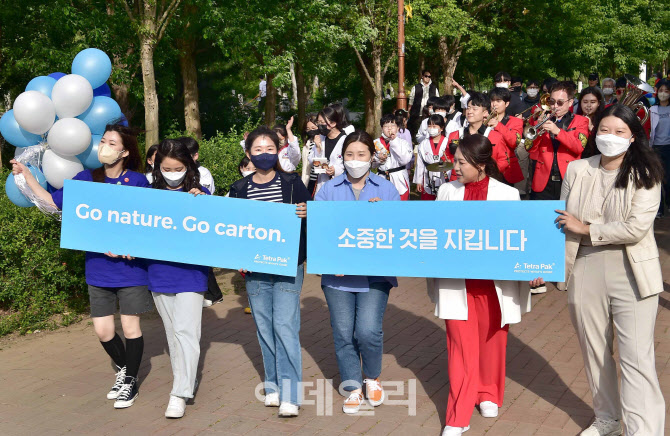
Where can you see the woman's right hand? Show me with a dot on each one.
(537, 282)
(419, 188)
(330, 171)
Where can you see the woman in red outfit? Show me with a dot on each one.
(477, 312)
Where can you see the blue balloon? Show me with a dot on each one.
(94, 65)
(102, 91)
(13, 193)
(14, 134)
(57, 75)
(123, 121)
(89, 158)
(103, 111)
(43, 84)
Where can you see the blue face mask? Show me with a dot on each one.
(264, 161)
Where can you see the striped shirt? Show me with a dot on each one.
(270, 191)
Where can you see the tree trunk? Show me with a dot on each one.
(422, 65)
(189, 77)
(301, 96)
(378, 90)
(270, 101)
(315, 86)
(369, 95)
(121, 95)
(150, 95)
(449, 56)
(294, 86)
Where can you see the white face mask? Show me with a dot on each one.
(357, 168)
(663, 96)
(385, 136)
(502, 85)
(608, 91)
(247, 173)
(532, 93)
(612, 145)
(430, 111)
(444, 114)
(174, 179)
(107, 155)
(433, 131)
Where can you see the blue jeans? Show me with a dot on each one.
(275, 306)
(356, 319)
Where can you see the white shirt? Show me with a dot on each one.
(424, 96)
(399, 156)
(262, 88)
(335, 159)
(206, 179)
(289, 156)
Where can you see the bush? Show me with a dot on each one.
(38, 280)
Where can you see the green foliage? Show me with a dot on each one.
(41, 285)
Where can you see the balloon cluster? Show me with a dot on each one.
(68, 113)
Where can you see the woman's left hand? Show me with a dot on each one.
(196, 192)
(374, 200)
(301, 210)
(568, 222)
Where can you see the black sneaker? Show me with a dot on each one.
(120, 377)
(127, 393)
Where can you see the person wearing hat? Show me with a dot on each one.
(594, 80)
(516, 104)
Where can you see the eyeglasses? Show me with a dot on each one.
(558, 103)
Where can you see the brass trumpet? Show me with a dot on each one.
(532, 132)
(544, 104)
(491, 116)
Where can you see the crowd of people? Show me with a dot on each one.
(545, 144)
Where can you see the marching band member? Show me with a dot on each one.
(431, 150)
(392, 156)
(560, 141)
(511, 130)
(477, 313)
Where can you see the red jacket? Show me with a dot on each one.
(501, 153)
(571, 144)
(511, 133)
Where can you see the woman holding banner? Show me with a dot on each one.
(112, 277)
(477, 312)
(613, 273)
(178, 289)
(356, 303)
(275, 299)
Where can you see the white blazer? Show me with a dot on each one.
(449, 295)
(335, 160)
(399, 156)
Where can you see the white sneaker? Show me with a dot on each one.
(287, 410)
(603, 427)
(539, 290)
(120, 377)
(454, 431)
(353, 403)
(207, 303)
(176, 407)
(488, 409)
(272, 399)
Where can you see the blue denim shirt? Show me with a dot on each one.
(339, 189)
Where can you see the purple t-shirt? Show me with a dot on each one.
(104, 271)
(173, 278)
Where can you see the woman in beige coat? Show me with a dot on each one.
(477, 312)
(613, 273)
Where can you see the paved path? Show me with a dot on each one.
(55, 382)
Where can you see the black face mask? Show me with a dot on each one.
(323, 129)
(516, 89)
(312, 133)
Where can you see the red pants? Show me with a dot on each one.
(429, 197)
(476, 354)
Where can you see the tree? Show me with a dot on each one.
(189, 73)
(150, 19)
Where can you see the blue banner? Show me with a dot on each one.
(176, 226)
(502, 240)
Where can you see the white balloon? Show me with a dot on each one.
(58, 168)
(72, 95)
(69, 137)
(34, 111)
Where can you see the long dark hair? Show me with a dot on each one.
(263, 132)
(640, 162)
(334, 116)
(133, 161)
(599, 95)
(175, 149)
(477, 150)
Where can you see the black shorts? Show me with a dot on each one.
(132, 300)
